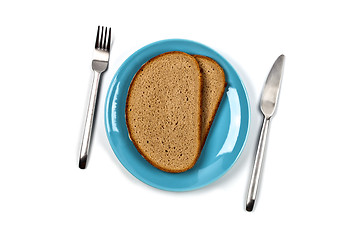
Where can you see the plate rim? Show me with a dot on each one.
(114, 82)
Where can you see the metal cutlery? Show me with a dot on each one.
(99, 65)
(268, 105)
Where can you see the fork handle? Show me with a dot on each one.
(84, 150)
(255, 176)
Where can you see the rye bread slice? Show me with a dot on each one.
(213, 89)
(163, 111)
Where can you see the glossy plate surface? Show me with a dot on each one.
(224, 143)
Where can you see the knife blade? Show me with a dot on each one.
(271, 89)
(268, 103)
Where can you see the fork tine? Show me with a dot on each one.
(109, 40)
(105, 37)
(101, 38)
(97, 38)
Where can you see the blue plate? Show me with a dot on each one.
(224, 143)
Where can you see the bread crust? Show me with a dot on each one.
(207, 129)
(199, 145)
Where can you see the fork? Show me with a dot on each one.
(100, 63)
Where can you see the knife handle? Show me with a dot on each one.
(254, 182)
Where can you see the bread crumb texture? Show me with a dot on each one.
(163, 111)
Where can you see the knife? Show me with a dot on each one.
(268, 105)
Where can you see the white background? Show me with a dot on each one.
(310, 187)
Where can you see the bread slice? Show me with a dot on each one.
(163, 111)
(213, 89)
